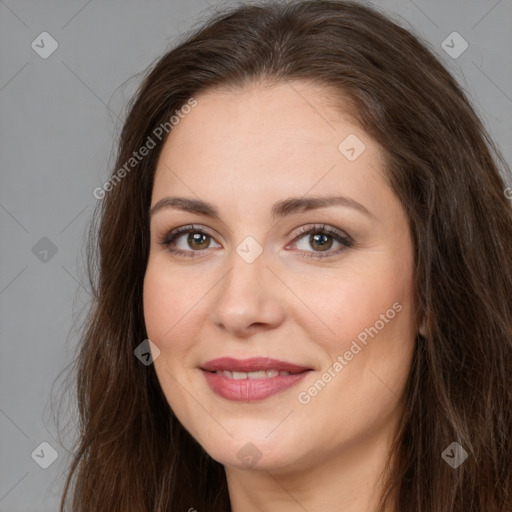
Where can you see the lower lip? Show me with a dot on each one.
(249, 390)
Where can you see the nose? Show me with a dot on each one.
(249, 298)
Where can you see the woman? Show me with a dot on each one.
(305, 264)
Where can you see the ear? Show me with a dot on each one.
(423, 326)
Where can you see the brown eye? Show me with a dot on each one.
(198, 240)
(321, 239)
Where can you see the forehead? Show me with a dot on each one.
(261, 141)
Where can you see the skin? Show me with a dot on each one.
(242, 151)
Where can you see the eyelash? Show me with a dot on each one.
(346, 241)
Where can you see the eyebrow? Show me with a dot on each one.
(279, 209)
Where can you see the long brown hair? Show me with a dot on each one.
(132, 453)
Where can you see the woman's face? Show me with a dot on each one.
(253, 282)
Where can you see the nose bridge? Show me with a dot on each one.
(248, 293)
(244, 281)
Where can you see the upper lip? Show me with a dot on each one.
(253, 364)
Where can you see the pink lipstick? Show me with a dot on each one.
(248, 380)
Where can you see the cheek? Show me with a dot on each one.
(350, 303)
(168, 303)
(375, 350)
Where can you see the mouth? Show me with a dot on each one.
(260, 374)
(253, 368)
(252, 379)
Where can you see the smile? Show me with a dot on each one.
(250, 380)
(261, 374)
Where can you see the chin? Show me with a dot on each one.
(251, 451)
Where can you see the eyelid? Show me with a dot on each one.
(339, 236)
(171, 235)
(321, 227)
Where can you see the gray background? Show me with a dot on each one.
(58, 120)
